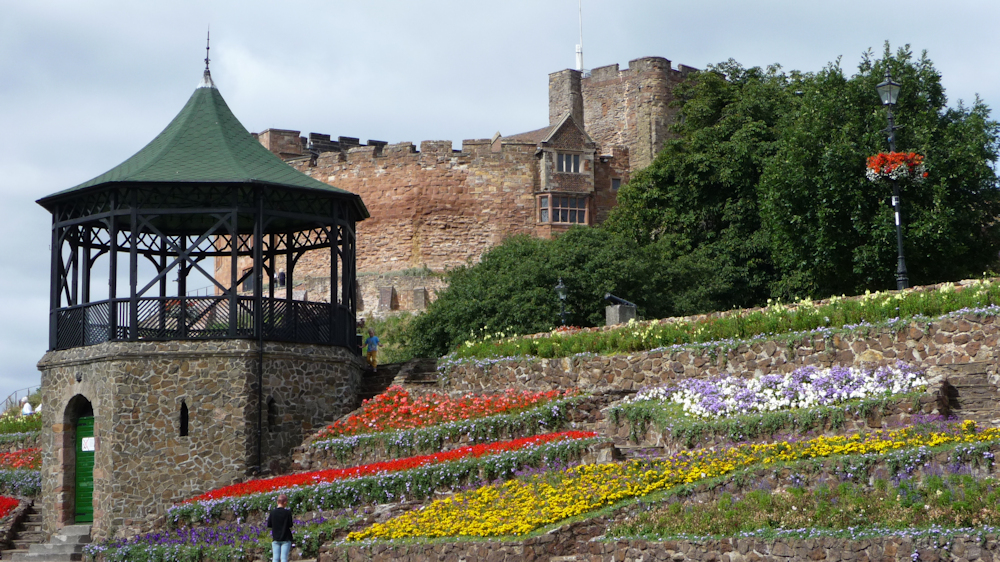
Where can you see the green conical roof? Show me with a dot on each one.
(205, 143)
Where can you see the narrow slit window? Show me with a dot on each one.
(184, 419)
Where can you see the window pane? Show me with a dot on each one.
(565, 215)
(615, 184)
(565, 202)
(572, 202)
(559, 163)
(545, 215)
(572, 216)
(576, 163)
(543, 201)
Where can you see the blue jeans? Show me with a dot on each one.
(280, 550)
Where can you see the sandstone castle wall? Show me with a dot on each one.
(438, 208)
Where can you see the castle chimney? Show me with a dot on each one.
(565, 94)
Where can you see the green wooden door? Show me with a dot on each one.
(85, 470)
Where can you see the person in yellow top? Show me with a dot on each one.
(372, 344)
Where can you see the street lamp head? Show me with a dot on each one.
(561, 290)
(888, 90)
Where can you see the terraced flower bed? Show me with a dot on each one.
(235, 542)
(947, 501)
(736, 408)
(521, 506)
(545, 417)
(414, 478)
(396, 409)
(7, 505)
(870, 309)
(22, 459)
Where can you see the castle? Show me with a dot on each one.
(437, 208)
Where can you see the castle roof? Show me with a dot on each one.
(205, 143)
(545, 134)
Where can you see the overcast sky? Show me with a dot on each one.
(84, 85)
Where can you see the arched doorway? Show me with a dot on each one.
(79, 416)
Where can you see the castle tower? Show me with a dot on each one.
(629, 108)
(162, 381)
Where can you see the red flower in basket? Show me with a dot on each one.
(896, 166)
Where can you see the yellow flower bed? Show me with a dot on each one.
(517, 507)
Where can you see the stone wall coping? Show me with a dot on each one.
(139, 350)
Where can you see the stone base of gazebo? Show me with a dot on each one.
(175, 419)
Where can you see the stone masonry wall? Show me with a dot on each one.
(434, 208)
(142, 463)
(548, 548)
(944, 342)
(630, 108)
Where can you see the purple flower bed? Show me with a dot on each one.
(805, 387)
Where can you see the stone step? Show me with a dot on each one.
(28, 557)
(56, 553)
(24, 540)
(622, 452)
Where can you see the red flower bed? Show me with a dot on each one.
(7, 505)
(396, 409)
(315, 477)
(25, 458)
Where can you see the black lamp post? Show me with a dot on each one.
(889, 92)
(562, 293)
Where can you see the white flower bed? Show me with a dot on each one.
(805, 387)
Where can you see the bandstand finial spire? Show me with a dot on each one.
(206, 79)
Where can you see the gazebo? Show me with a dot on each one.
(203, 189)
(155, 389)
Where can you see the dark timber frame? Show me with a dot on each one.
(175, 228)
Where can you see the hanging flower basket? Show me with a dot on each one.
(896, 166)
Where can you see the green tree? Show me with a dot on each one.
(831, 230)
(511, 291)
(766, 179)
(699, 195)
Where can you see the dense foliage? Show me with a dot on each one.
(511, 291)
(767, 176)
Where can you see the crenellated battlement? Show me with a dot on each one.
(639, 66)
(291, 146)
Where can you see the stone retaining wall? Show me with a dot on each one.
(943, 342)
(28, 442)
(895, 549)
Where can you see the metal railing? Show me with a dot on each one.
(208, 317)
(14, 400)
